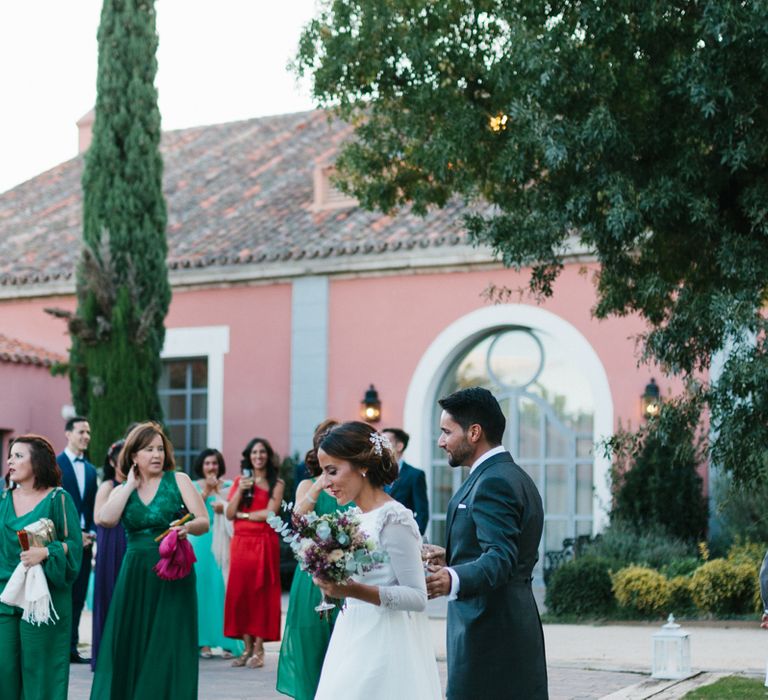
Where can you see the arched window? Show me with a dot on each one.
(549, 406)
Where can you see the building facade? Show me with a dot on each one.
(289, 301)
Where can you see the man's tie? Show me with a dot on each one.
(80, 459)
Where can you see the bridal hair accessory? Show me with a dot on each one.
(380, 442)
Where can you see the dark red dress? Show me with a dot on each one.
(252, 605)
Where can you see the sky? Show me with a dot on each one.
(218, 61)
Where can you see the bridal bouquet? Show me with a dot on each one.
(331, 547)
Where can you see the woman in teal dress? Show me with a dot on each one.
(149, 645)
(35, 658)
(306, 636)
(211, 581)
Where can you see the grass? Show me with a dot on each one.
(731, 688)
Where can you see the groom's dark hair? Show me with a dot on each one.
(476, 405)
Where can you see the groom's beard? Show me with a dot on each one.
(460, 455)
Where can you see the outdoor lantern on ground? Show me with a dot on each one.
(651, 400)
(671, 652)
(370, 407)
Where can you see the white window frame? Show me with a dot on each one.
(434, 363)
(212, 343)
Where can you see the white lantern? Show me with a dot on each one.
(671, 652)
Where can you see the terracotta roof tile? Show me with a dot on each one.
(236, 193)
(12, 350)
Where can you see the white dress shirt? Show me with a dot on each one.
(78, 465)
(454, 593)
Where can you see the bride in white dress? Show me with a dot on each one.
(381, 645)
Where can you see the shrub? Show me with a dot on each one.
(681, 596)
(680, 568)
(622, 544)
(580, 587)
(742, 513)
(724, 587)
(655, 476)
(750, 554)
(747, 553)
(641, 590)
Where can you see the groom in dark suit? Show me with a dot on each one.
(494, 524)
(78, 477)
(410, 487)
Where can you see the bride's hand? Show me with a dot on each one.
(331, 590)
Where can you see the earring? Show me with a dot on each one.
(365, 474)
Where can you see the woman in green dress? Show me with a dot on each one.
(210, 468)
(306, 636)
(35, 658)
(149, 645)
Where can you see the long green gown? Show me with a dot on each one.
(149, 645)
(210, 586)
(306, 636)
(35, 658)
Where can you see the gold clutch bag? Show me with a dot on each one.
(41, 532)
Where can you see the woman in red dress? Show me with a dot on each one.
(252, 605)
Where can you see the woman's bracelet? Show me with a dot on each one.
(310, 499)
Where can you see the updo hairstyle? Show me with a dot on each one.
(310, 459)
(352, 443)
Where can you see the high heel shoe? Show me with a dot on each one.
(256, 660)
(241, 660)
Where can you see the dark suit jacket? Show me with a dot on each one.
(410, 489)
(85, 503)
(495, 641)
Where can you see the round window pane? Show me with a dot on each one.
(515, 358)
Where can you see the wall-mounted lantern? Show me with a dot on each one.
(671, 652)
(651, 400)
(370, 407)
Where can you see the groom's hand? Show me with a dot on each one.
(433, 554)
(438, 583)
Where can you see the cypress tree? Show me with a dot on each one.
(123, 291)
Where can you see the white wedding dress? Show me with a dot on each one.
(385, 651)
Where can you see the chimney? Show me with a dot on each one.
(84, 127)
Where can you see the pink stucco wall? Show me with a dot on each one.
(257, 368)
(31, 403)
(381, 340)
(25, 319)
(379, 328)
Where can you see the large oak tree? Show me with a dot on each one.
(637, 127)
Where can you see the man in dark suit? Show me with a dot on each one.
(410, 487)
(78, 477)
(494, 524)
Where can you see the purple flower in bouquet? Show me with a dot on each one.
(332, 547)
